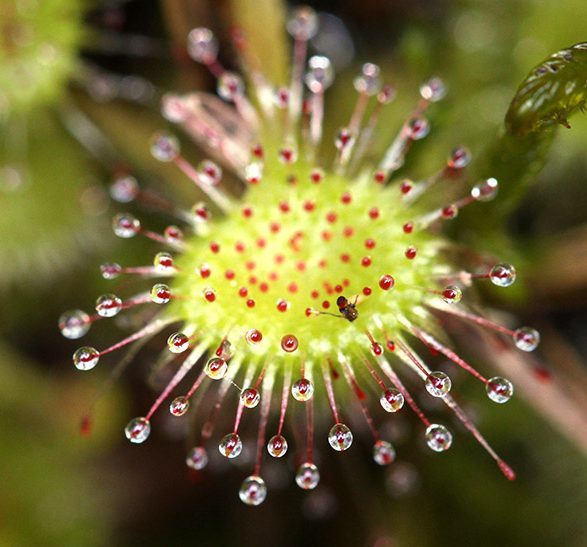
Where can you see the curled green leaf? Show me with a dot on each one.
(552, 92)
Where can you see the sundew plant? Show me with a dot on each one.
(315, 296)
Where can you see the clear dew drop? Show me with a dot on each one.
(230, 86)
(174, 108)
(250, 397)
(499, 390)
(340, 437)
(163, 263)
(209, 173)
(438, 384)
(433, 90)
(86, 358)
(160, 293)
(526, 338)
(137, 431)
(178, 342)
(201, 212)
(503, 275)
(289, 343)
(202, 45)
(74, 324)
(253, 336)
(173, 234)
(126, 225)
(179, 406)
(302, 390)
(459, 158)
(197, 458)
(110, 270)
(486, 190)
(307, 476)
(387, 94)
(277, 446)
(438, 437)
(164, 147)
(383, 453)
(320, 74)
(230, 446)
(108, 305)
(216, 368)
(452, 294)
(418, 128)
(368, 82)
(391, 400)
(124, 189)
(253, 490)
(303, 23)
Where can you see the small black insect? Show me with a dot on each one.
(348, 310)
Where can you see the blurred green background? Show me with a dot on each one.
(80, 84)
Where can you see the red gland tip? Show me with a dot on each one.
(411, 253)
(408, 227)
(380, 177)
(507, 470)
(386, 282)
(373, 213)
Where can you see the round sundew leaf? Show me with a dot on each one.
(552, 91)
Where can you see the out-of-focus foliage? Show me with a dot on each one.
(49, 496)
(51, 204)
(38, 51)
(46, 183)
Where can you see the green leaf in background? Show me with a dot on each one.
(49, 201)
(38, 51)
(553, 91)
(50, 496)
